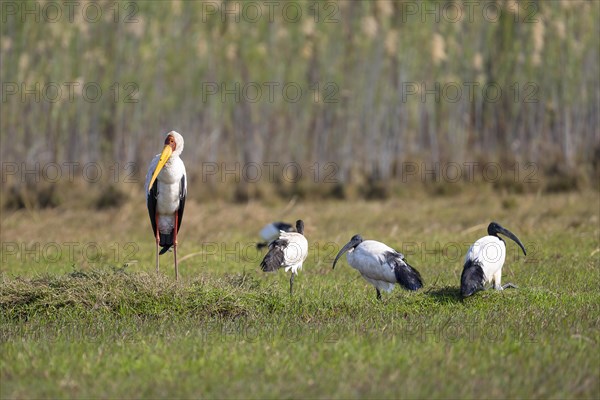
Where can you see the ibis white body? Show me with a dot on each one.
(295, 252)
(490, 253)
(380, 265)
(368, 258)
(289, 252)
(485, 259)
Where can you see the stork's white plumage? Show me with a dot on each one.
(166, 190)
(380, 265)
(289, 251)
(484, 261)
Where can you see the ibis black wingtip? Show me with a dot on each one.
(472, 278)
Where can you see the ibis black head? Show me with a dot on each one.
(495, 228)
(300, 227)
(355, 241)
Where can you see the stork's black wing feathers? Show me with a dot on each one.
(166, 240)
(182, 195)
(274, 258)
(151, 202)
(472, 278)
(408, 277)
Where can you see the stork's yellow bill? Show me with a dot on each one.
(164, 157)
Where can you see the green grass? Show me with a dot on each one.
(108, 326)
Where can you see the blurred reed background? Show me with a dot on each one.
(368, 71)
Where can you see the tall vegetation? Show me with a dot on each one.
(382, 82)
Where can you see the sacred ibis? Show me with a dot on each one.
(166, 189)
(484, 261)
(288, 251)
(380, 265)
(271, 231)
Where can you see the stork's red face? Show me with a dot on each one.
(170, 141)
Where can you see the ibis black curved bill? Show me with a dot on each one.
(355, 241)
(494, 228)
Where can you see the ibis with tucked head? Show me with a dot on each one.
(484, 261)
(166, 189)
(271, 231)
(380, 265)
(289, 251)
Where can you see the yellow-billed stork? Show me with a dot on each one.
(484, 261)
(166, 189)
(271, 231)
(288, 251)
(380, 265)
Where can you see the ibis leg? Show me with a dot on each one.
(292, 284)
(498, 280)
(378, 294)
(157, 241)
(175, 245)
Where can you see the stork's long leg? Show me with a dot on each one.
(292, 284)
(157, 240)
(175, 246)
(378, 294)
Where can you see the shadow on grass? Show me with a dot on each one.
(445, 295)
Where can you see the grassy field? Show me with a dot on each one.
(84, 314)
